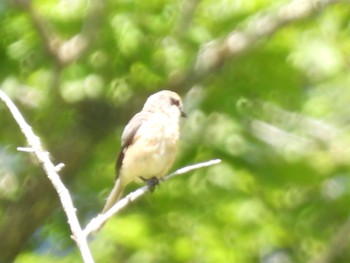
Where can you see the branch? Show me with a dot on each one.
(97, 222)
(215, 53)
(187, 10)
(49, 40)
(73, 48)
(218, 51)
(64, 52)
(50, 169)
(337, 244)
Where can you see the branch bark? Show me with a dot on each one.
(50, 169)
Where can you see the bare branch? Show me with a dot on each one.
(59, 167)
(218, 51)
(97, 222)
(191, 168)
(25, 149)
(50, 169)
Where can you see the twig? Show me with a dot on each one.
(25, 149)
(98, 221)
(50, 169)
(191, 168)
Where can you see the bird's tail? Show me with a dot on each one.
(114, 196)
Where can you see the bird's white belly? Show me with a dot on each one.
(151, 157)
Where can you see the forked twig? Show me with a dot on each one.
(51, 171)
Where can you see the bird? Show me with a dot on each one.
(149, 144)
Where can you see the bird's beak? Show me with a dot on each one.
(183, 114)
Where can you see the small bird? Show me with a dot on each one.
(148, 143)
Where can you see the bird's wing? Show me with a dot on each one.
(128, 136)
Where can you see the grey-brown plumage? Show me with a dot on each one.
(149, 143)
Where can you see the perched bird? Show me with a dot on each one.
(148, 143)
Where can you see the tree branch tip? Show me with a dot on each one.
(59, 167)
(192, 167)
(73, 237)
(25, 149)
(215, 161)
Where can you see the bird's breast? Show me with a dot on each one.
(153, 152)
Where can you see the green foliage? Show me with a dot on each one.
(276, 115)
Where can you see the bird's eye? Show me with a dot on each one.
(174, 101)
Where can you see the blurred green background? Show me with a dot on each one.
(277, 115)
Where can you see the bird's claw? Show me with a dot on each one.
(151, 182)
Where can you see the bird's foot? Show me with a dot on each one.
(151, 182)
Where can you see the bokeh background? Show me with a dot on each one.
(266, 85)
